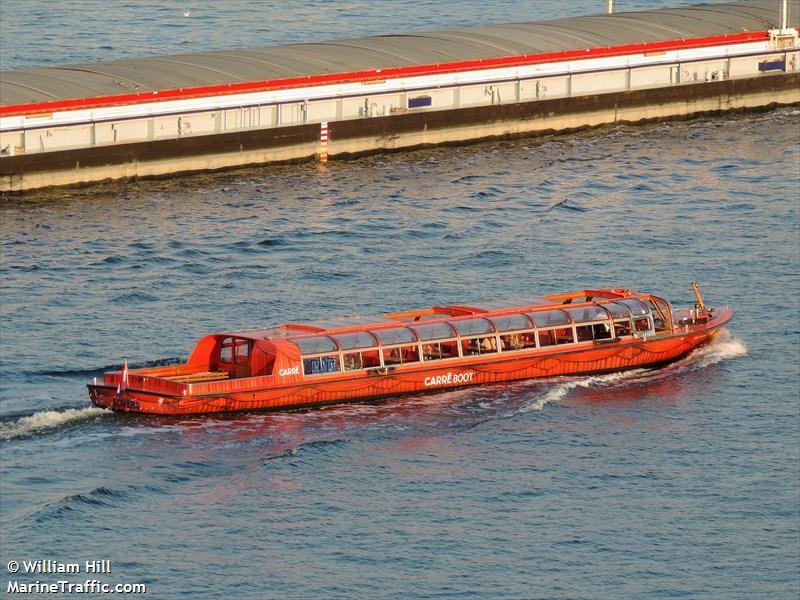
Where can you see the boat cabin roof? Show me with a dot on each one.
(440, 322)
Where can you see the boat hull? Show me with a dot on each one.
(425, 377)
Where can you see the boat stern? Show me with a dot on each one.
(143, 391)
(112, 398)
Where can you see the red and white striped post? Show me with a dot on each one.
(323, 142)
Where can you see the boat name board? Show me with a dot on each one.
(289, 371)
(449, 378)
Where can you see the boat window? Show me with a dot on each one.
(618, 310)
(395, 335)
(565, 335)
(642, 324)
(551, 337)
(321, 364)
(235, 350)
(547, 338)
(597, 331)
(361, 339)
(479, 345)
(473, 326)
(434, 331)
(315, 345)
(352, 361)
(512, 322)
(401, 355)
(371, 358)
(550, 317)
(361, 360)
(622, 327)
(637, 306)
(439, 350)
(517, 341)
(659, 310)
(587, 313)
(226, 351)
(241, 349)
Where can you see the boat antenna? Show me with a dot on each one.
(696, 291)
(784, 15)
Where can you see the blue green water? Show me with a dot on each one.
(678, 483)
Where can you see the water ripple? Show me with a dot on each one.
(673, 482)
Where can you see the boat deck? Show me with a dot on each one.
(203, 377)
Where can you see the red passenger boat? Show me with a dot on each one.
(298, 366)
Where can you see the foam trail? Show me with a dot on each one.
(47, 419)
(724, 347)
(562, 389)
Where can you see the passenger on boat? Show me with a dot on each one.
(352, 362)
(479, 346)
(392, 357)
(517, 341)
(471, 347)
(410, 354)
(438, 350)
(506, 343)
(622, 327)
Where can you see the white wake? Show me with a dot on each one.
(559, 391)
(726, 346)
(47, 419)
